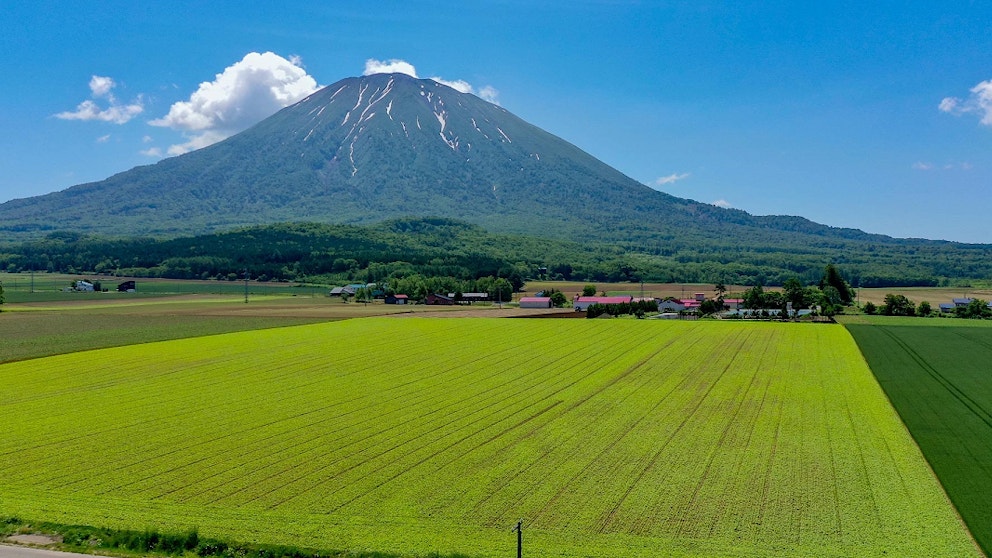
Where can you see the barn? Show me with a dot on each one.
(535, 302)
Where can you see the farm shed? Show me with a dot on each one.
(582, 303)
(961, 302)
(670, 306)
(439, 300)
(127, 287)
(470, 297)
(341, 291)
(397, 299)
(535, 302)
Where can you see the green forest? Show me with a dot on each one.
(446, 248)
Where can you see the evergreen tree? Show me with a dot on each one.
(832, 278)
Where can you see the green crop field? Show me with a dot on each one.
(938, 375)
(412, 435)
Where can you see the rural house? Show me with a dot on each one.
(397, 299)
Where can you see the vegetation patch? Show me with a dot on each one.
(936, 373)
(413, 436)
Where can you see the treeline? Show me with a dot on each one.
(462, 252)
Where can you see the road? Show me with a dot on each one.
(10, 551)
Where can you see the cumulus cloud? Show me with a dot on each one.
(979, 102)
(152, 152)
(103, 139)
(671, 179)
(115, 112)
(243, 94)
(393, 66)
(722, 203)
(396, 66)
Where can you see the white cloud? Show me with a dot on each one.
(243, 94)
(722, 203)
(147, 139)
(103, 139)
(100, 87)
(980, 102)
(196, 141)
(152, 152)
(671, 179)
(928, 166)
(459, 85)
(393, 66)
(948, 104)
(486, 93)
(490, 94)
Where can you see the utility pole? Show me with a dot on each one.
(520, 538)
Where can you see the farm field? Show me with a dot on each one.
(621, 437)
(937, 375)
(82, 321)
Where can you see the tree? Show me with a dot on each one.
(502, 290)
(869, 308)
(976, 309)
(898, 305)
(709, 306)
(832, 278)
(754, 297)
(924, 309)
(795, 293)
(589, 290)
(720, 290)
(558, 299)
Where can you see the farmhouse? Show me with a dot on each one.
(397, 299)
(946, 307)
(961, 302)
(582, 303)
(84, 286)
(342, 291)
(535, 302)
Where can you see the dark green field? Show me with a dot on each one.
(938, 375)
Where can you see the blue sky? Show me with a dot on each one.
(872, 115)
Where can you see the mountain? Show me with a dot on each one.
(377, 147)
(387, 146)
